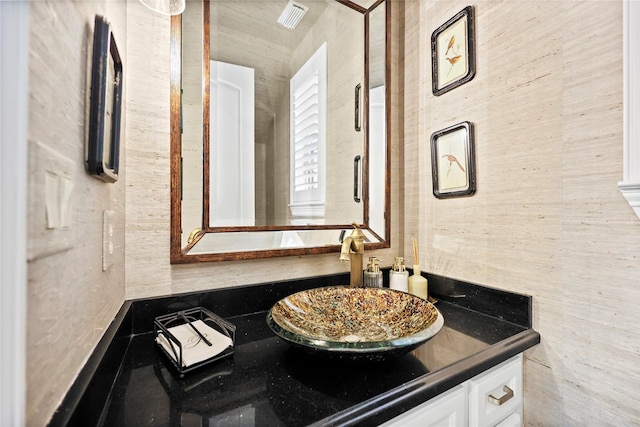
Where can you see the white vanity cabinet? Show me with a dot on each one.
(492, 398)
(449, 409)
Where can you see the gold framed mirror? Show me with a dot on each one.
(290, 207)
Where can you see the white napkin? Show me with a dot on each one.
(194, 349)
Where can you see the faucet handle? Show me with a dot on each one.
(356, 233)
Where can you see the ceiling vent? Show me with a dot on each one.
(292, 14)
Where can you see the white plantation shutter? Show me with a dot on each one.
(305, 135)
(308, 134)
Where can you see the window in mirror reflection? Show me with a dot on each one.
(308, 108)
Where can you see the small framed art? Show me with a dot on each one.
(453, 52)
(453, 161)
(103, 140)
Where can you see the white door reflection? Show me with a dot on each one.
(232, 157)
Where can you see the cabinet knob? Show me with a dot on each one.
(508, 394)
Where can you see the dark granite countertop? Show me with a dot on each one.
(266, 382)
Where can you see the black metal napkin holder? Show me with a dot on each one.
(161, 326)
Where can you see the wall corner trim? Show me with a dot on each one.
(630, 185)
(631, 191)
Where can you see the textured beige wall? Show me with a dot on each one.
(71, 300)
(547, 219)
(345, 60)
(147, 209)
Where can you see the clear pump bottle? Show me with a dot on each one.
(373, 275)
(399, 276)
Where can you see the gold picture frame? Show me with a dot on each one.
(453, 161)
(453, 52)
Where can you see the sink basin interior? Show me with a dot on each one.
(355, 320)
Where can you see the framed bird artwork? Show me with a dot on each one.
(453, 161)
(453, 52)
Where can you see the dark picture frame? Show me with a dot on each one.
(453, 52)
(453, 161)
(103, 140)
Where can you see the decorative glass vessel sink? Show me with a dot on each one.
(373, 323)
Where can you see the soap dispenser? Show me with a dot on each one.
(418, 285)
(399, 276)
(373, 275)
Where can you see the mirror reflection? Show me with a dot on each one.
(283, 140)
(288, 132)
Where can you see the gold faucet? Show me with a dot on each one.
(353, 251)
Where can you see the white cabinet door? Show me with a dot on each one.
(446, 410)
(496, 394)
